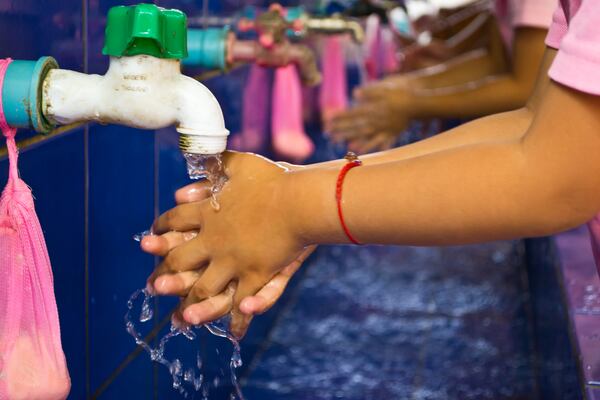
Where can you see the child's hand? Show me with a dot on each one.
(380, 90)
(215, 307)
(230, 245)
(369, 126)
(180, 284)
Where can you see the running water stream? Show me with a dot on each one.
(210, 167)
(187, 378)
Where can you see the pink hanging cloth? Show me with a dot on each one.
(372, 47)
(255, 112)
(333, 97)
(32, 362)
(389, 50)
(290, 141)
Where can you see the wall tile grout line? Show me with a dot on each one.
(86, 223)
(156, 259)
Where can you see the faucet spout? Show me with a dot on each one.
(336, 24)
(139, 91)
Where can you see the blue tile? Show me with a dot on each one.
(134, 382)
(55, 172)
(121, 204)
(43, 28)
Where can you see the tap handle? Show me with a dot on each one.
(146, 29)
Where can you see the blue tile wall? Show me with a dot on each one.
(121, 203)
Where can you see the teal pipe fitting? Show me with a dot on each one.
(22, 93)
(207, 48)
(294, 13)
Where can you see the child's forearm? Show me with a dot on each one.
(504, 126)
(465, 68)
(495, 94)
(506, 189)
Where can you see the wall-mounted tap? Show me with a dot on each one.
(219, 47)
(273, 47)
(142, 88)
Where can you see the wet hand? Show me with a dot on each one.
(229, 246)
(180, 284)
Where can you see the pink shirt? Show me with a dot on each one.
(514, 13)
(575, 32)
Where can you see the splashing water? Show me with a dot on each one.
(139, 236)
(185, 378)
(207, 166)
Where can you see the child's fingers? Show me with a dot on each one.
(272, 291)
(213, 281)
(188, 257)
(197, 191)
(176, 284)
(211, 308)
(161, 245)
(346, 118)
(265, 298)
(374, 143)
(360, 130)
(239, 320)
(183, 218)
(369, 93)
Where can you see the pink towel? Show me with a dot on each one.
(289, 138)
(389, 50)
(255, 112)
(334, 89)
(372, 47)
(32, 363)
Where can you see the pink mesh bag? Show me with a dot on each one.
(32, 362)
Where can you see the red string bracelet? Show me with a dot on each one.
(353, 162)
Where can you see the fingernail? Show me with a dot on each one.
(161, 284)
(246, 306)
(191, 317)
(193, 193)
(150, 289)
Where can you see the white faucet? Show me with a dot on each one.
(139, 91)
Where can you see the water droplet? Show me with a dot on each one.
(139, 236)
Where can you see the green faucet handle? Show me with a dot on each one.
(146, 29)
